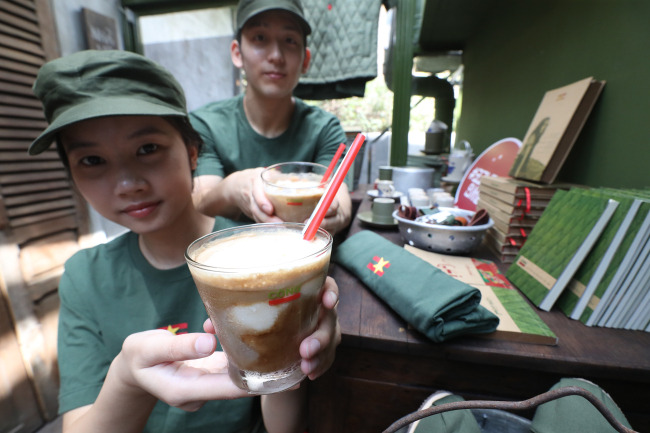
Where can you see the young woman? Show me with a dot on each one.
(132, 352)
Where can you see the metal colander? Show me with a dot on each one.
(441, 238)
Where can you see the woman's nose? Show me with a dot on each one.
(129, 181)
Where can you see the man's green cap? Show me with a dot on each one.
(90, 84)
(247, 9)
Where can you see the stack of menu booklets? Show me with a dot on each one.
(589, 256)
(518, 320)
(515, 206)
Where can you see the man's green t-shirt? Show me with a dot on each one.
(109, 292)
(232, 145)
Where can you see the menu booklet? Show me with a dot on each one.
(559, 243)
(554, 129)
(518, 320)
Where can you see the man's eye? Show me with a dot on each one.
(91, 160)
(147, 148)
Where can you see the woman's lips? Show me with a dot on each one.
(140, 210)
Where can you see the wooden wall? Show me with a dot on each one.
(41, 223)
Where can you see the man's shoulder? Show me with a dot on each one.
(221, 107)
(313, 112)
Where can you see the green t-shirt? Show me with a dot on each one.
(109, 292)
(231, 144)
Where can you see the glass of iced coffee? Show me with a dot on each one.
(294, 188)
(262, 286)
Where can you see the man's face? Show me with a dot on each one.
(272, 53)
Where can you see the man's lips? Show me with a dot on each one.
(140, 210)
(274, 75)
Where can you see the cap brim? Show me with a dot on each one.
(101, 107)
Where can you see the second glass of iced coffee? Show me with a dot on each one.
(294, 188)
(262, 286)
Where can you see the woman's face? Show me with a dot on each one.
(133, 170)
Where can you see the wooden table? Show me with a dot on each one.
(384, 370)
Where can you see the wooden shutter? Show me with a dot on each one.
(41, 217)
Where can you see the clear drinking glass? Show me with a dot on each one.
(262, 286)
(294, 188)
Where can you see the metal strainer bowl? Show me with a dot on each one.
(441, 238)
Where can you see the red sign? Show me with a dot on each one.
(496, 160)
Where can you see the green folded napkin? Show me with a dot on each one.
(433, 302)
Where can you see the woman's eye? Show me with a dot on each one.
(147, 148)
(91, 160)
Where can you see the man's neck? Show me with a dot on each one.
(268, 117)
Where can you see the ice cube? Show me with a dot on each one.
(256, 317)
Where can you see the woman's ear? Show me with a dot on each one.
(235, 54)
(193, 153)
(306, 61)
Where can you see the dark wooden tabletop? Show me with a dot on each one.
(383, 369)
(611, 356)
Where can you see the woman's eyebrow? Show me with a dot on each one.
(74, 145)
(147, 130)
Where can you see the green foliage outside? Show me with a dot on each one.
(374, 112)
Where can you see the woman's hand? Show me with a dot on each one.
(184, 371)
(319, 349)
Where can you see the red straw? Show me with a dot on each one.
(326, 200)
(330, 169)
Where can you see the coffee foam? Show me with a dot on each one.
(300, 183)
(250, 261)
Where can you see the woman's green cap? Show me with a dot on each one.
(90, 84)
(249, 8)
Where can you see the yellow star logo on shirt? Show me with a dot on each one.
(172, 329)
(177, 328)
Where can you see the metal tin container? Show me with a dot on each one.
(441, 238)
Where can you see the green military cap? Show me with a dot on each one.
(90, 84)
(249, 8)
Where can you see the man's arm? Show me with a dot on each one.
(340, 212)
(237, 193)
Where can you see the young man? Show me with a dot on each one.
(266, 124)
(121, 128)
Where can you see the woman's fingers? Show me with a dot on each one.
(157, 346)
(182, 370)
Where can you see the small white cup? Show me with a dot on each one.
(385, 188)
